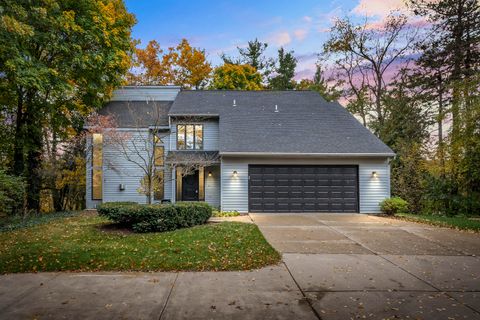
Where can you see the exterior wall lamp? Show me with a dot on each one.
(374, 174)
(235, 173)
(209, 173)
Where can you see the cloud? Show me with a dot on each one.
(280, 38)
(378, 8)
(300, 34)
(307, 19)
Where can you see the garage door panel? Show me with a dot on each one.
(283, 188)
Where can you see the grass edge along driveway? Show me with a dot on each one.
(83, 243)
(455, 222)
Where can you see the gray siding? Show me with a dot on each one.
(372, 190)
(149, 93)
(212, 186)
(210, 135)
(118, 170)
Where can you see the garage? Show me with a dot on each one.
(309, 188)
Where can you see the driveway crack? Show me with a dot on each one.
(303, 293)
(168, 297)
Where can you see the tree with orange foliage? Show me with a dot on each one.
(182, 65)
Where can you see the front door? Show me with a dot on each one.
(190, 187)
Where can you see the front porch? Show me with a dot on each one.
(196, 176)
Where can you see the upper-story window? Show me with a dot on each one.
(189, 137)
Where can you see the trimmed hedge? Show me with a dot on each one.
(393, 206)
(156, 217)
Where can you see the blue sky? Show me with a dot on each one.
(221, 26)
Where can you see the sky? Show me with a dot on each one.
(220, 26)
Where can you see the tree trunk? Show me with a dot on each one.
(441, 151)
(18, 156)
(34, 156)
(149, 189)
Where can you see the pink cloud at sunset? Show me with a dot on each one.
(379, 8)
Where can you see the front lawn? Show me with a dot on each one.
(86, 243)
(456, 222)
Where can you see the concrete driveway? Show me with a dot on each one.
(334, 267)
(358, 266)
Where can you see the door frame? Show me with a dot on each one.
(179, 184)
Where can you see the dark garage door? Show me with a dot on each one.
(285, 188)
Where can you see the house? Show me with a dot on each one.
(254, 151)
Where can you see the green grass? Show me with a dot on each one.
(84, 243)
(456, 222)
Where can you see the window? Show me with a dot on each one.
(189, 137)
(180, 137)
(158, 170)
(199, 137)
(158, 184)
(159, 155)
(97, 161)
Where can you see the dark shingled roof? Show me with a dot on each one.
(138, 114)
(304, 123)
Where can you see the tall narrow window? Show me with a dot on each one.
(190, 137)
(158, 184)
(159, 155)
(198, 137)
(97, 161)
(180, 137)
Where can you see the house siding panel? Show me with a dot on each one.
(146, 93)
(212, 186)
(371, 190)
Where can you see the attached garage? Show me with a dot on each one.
(303, 188)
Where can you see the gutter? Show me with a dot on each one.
(326, 155)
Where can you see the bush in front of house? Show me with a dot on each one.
(12, 194)
(393, 206)
(156, 217)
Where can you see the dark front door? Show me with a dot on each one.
(190, 187)
(319, 188)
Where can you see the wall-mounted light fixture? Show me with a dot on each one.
(235, 173)
(374, 174)
(209, 173)
(121, 187)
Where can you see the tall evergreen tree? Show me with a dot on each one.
(284, 71)
(319, 84)
(449, 68)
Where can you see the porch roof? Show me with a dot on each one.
(193, 157)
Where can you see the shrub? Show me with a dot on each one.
(394, 205)
(12, 194)
(156, 217)
(219, 213)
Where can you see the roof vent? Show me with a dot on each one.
(276, 108)
(234, 103)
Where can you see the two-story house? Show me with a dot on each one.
(255, 151)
